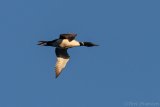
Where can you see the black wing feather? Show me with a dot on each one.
(70, 37)
(62, 53)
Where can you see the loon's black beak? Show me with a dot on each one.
(95, 44)
(90, 44)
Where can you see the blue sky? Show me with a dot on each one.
(123, 70)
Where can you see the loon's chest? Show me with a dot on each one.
(65, 43)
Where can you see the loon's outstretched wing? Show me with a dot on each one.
(62, 59)
(69, 36)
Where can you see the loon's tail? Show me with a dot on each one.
(43, 43)
(47, 43)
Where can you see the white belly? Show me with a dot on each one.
(68, 44)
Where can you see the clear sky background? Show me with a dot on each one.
(124, 69)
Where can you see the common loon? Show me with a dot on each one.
(64, 42)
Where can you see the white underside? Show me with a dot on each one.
(60, 65)
(68, 44)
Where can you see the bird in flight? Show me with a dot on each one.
(61, 45)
